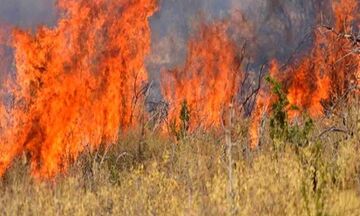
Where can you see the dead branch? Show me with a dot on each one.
(124, 154)
(341, 100)
(255, 91)
(354, 39)
(333, 129)
(296, 50)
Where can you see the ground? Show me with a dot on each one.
(192, 175)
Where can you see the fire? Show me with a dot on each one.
(322, 77)
(210, 79)
(79, 83)
(76, 84)
(262, 108)
(330, 70)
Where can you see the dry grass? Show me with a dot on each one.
(190, 177)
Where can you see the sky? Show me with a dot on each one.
(276, 22)
(278, 25)
(28, 13)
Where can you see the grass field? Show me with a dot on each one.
(84, 79)
(155, 174)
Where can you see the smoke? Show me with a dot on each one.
(271, 29)
(174, 23)
(28, 13)
(24, 14)
(171, 29)
(275, 28)
(78, 82)
(278, 25)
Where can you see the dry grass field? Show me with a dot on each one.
(155, 174)
(216, 140)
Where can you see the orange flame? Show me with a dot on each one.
(262, 108)
(76, 84)
(208, 81)
(323, 76)
(330, 69)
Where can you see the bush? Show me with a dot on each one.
(281, 129)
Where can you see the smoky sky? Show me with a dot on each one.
(28, 13)
(278, 26)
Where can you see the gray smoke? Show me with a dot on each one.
(278, 25)
(28, 13)
(278, 28)
(25, 14)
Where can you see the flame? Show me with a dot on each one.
(348, 11)
(208, 81)
(261, 109)
(76, 84)
(323, 76)
(330, 70)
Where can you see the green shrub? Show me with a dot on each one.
(181, 131)
(281, 129)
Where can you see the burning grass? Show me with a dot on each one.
(77, 84)
(73, 117)
(191, 177)
(209, 80)
(315, 83)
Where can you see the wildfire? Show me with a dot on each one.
(208, 81)
(76, 84)
(324, 76)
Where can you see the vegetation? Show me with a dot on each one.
(280, 127)
(189, 175)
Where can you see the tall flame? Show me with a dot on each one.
(323, 76)
(208, 81)
(330, 70)
(76, 84)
